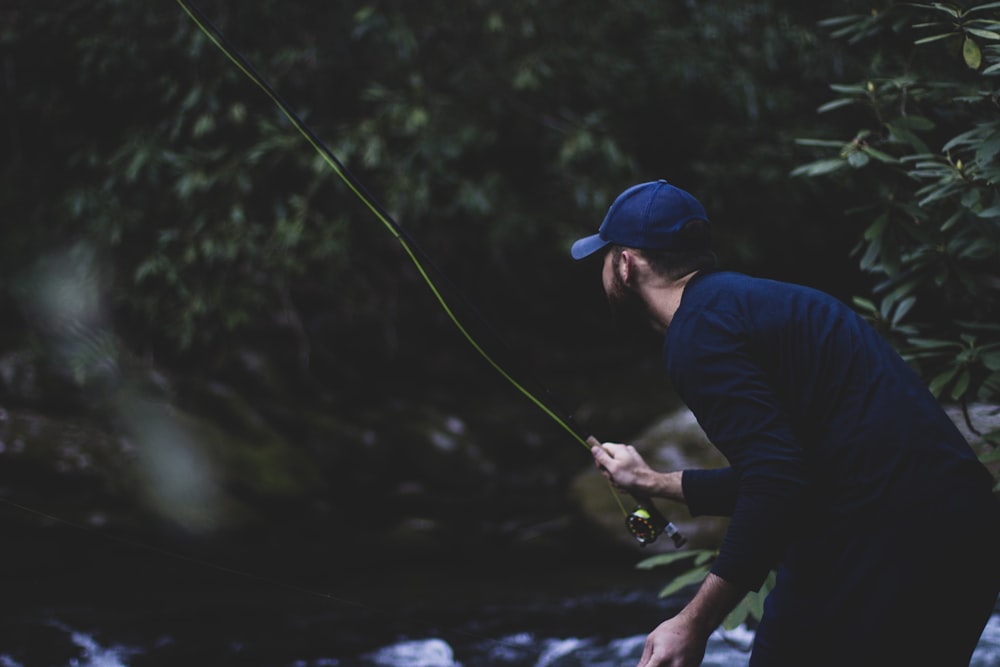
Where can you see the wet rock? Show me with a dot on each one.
(137, 457)
(976, 421)
(19, 376)
(52, 457)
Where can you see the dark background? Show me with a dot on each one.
(211, 347)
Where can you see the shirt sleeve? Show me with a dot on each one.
(723, 382)
(710, 492)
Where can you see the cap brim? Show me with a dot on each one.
(587, 246)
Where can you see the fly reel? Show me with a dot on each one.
(646, 523)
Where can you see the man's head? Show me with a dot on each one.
(653, 235)
(647, 216)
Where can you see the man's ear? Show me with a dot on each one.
(626, 266)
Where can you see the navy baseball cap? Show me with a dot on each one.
(647, 216)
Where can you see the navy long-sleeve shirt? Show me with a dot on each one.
(823, 424)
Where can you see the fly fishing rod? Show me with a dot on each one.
(645, 523)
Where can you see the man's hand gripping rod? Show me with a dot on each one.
(646, 522)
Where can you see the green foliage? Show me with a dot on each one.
(921, 165)
(493, 131)
(750, 608)
(158, 162)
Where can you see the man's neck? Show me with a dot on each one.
(664, 299)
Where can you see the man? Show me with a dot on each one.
(845, 474)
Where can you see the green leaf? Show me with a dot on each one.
(961, 385)
(822, 143)
(903, 290)
(981, 8)
(885, 308)
(757, 598)
(841, 20)
(865, 304)
(891, 254)
(943, 8)
(918, 123)
(739, 613)
(836, 104)
(704, 556)
(849, 88)
(879, 155)
(938, 383)
(985, 34)
(905, 136)
(991, 360)
(690, 577)
(820, 167)
(979, 249)
(990, 213)
(204, 125)
(971, 53)
(765, 590)
(990, 457)
(969, 137)
(857, 159)
(877, 227)
(988, 148)
(904, 307)
(935, 38)
(665, 559)
(869, 261)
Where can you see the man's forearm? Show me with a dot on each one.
(627, 470)
(667, 485)
(710, 605)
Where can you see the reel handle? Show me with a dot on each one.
(645, 523)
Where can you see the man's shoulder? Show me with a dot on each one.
(737, 301)
(730, 285)
(739, 285)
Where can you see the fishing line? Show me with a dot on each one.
(419, 258)
(645, 523)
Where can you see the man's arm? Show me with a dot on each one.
(627, 470)
(709, 492)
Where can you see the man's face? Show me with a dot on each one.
(627, 307)
(612, 280)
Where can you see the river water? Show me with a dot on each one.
(99, 648)
(143, 612)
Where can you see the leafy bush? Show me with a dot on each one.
(918, 154)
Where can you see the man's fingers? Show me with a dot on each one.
(609, 456)
(601, 454)
(601, 459)
(647, 654)
(612, 449)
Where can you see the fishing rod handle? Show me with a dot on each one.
(645, 523)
